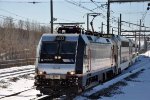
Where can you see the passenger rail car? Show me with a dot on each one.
(133, 51)
(78, 61)
(124, 52)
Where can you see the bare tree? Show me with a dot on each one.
(19, 40)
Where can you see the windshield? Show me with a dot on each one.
(58, 52)
(68, 48)
(49, 48)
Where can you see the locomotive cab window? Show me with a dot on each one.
(49, 48)
(58, 52)
(68, 47)
(68, 50)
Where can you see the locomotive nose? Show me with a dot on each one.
(49, 70)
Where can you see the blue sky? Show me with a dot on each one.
(66, 12)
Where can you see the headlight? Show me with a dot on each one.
(40, 73)
(55, 57)
(72, 73)
(59, 57)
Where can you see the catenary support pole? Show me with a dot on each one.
(108, 16)
(51, 10)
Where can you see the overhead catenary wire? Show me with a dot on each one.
(7, 1)
(134, 24)
(83, 7)
(15, 19)
(112, 26)
(75, 3)
(101, 6)
(144, 15)
(10, 12)
(112, 19)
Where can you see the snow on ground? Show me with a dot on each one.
(17, 84)
(16, 68)
(125, 89)
(28, 95)
(136, 88)
(131, 88)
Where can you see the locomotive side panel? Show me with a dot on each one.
(99, 63)
(101, 56)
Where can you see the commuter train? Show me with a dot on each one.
(79, 61)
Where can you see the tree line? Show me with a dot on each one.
(19, 36)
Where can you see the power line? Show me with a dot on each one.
(101, 7)
(4, 17)
(65, 19)
(13, 13)
(127, 1)
(113, 27)
(83, 7)
(134, 24)
(113, 19)
(14, 19)
(31, 19)
(79, 5)
(144, 15)
(34, 2)
(90, 2)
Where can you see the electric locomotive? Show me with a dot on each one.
(77, 61)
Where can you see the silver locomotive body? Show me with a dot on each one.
(56, 61)
(71, 60)
(78, 62)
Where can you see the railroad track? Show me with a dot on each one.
(49, 97)
(5, 75)
(43, 97)
(14, 70)
(15, 94)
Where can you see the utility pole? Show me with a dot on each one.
(120, 23)
(87, 22)
(51, 14)
(140, 35)
(102, 28)
(135, 43)
(112, 31)
(120, 1)
(118, 27)
(108, 16)
(145, 42)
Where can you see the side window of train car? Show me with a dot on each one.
(125, 44)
